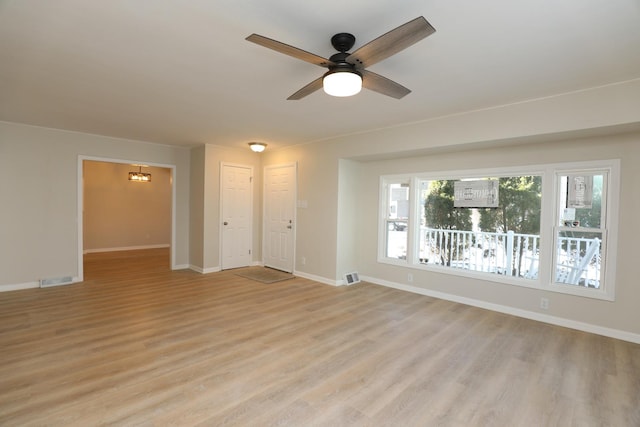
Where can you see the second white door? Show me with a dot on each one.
(279, 216)
(236, 192)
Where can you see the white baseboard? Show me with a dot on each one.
(201, 270)
(19, 286)
(540, 317)
(317, 278)
(126, 248)
(30, 285)
(214, 269)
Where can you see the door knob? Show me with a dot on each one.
(289, 227)
(225, 223)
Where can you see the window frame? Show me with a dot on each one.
(385, 184)
(610, 169)
(550, 175)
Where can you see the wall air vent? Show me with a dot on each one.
(56, 281)
(351, 278)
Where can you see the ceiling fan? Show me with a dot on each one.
(347, 71)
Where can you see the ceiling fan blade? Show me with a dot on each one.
(383, 85)
(391, 43)
(307, 90)
(289, 50)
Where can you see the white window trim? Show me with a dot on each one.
(609, 229)
(385, 181)
(548, 218)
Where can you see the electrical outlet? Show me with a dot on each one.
(409, 277)
(544, 303)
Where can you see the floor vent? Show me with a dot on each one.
(351, 278)
(56, 281)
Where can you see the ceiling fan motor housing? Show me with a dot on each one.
(340, 63)
(342, 42)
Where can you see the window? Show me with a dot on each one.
(396, 219)
(580, 228)
(543, 226)
(501, 240)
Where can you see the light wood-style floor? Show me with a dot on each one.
(137, 344)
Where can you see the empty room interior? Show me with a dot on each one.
(320, 213)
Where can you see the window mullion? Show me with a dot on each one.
(549, 216)
(413, 225)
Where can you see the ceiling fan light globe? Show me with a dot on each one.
(342, 83)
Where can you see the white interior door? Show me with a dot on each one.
(279, 216)
(236, 206)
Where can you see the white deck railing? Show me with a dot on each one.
(510, 254)
(578, 261)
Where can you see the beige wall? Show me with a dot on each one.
(39, 197)
(601, 110)
(196, 212)
(121, 214)
(350, 213)
(337, 232)
(338, 178)
(622, 314)
(206, 224)
(316, 225)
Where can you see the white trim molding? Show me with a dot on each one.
(19, 286)
(204, 270)
(319, 279)
(31, 285)
(127, 248)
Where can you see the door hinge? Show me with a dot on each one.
(250, 179)
(249, 251)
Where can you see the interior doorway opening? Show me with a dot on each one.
(125, 218)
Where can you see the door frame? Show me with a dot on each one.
(80, 198)
(220, 215)
(295, 210)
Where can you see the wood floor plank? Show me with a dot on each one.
(138, 344)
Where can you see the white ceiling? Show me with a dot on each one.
(181, 72)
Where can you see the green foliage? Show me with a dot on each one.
(518, 211)
(440, 213)
(519, 206)
(439, 210)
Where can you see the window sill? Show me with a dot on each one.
(537, 283)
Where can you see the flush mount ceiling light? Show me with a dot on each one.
(342, 82)
(257, 147)
(139, 176)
